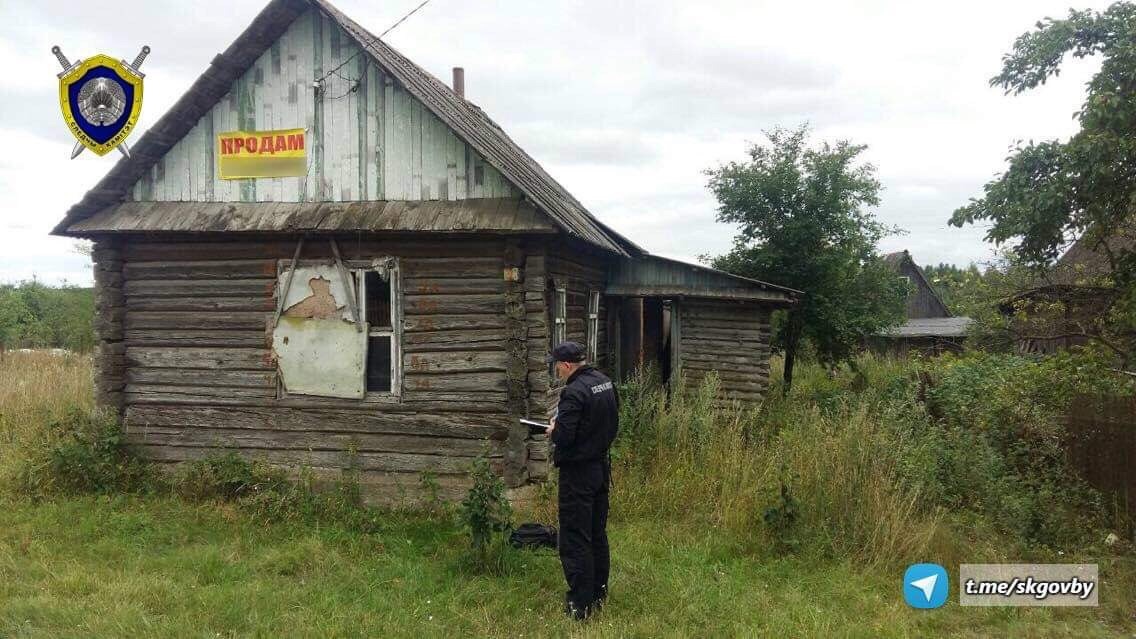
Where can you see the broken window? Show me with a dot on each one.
(378, 290)
(593, 325)
(338, 331)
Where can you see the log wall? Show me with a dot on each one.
(187, 330)
(579, 271)
(727, 338)
(110, 311)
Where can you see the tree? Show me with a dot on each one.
(1053, 192)
(14, 317)
(804, 224)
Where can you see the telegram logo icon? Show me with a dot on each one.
(925, 586)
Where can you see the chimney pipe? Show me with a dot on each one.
(459, 82)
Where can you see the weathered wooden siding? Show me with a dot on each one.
(374, 143)
(581, 272)
(729, 338)
(921, 301)
(199, 373)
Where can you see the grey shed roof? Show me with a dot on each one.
(931, 327)
(467, 120)
(651, 275)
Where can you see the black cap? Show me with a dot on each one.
(567, 352)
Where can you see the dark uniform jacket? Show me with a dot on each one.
(587, 419)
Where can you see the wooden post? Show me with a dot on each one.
(110, 314)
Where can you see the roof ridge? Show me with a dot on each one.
(468, 122)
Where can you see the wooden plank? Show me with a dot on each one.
(199, 304)
(454, 361)
(476, 267)
(453, 285)
(309, 440)
(371, 420)
(453, 383)
(200, 288)
(173, 320)
(206, 358)
(453, 304)
(190, 377)
(165, 394)
(228, 269)
(195, 338)
(421, 323)
(434, 341)
(385, 462)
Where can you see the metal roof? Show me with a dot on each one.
(467, 120)
(651, 276)
(492, 215)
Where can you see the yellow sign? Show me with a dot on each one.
(261, 154)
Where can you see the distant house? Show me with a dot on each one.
(930, 326)
(1064, 307)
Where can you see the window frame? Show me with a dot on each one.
(560, 315)
(357, 268)
(593, 325)
(394, 331)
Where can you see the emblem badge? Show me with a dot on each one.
(101, 99)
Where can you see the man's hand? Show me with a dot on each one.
(551, 426)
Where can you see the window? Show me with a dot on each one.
(556, 298)
(593, 325)
(378, 288)
(559, 315)
(338, 329)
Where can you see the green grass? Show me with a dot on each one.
(691, 556)
(159, 567)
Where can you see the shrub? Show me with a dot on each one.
(85, 453)
(781, 517)
(269, 493)
(485, 512)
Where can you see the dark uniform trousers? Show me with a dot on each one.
(584, 551)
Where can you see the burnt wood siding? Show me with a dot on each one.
(727, 338)
(200, 377)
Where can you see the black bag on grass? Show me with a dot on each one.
(533, 536)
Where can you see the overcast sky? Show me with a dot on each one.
(624, 102)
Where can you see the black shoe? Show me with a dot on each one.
(598, 603)
(576, 611)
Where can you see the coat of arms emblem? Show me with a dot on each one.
(101, 99)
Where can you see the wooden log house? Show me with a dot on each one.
(391, 310)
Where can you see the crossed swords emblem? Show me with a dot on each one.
(100, 96)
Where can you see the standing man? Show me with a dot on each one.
(585, 425)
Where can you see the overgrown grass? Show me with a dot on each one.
(873, 481)
(37, 390)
